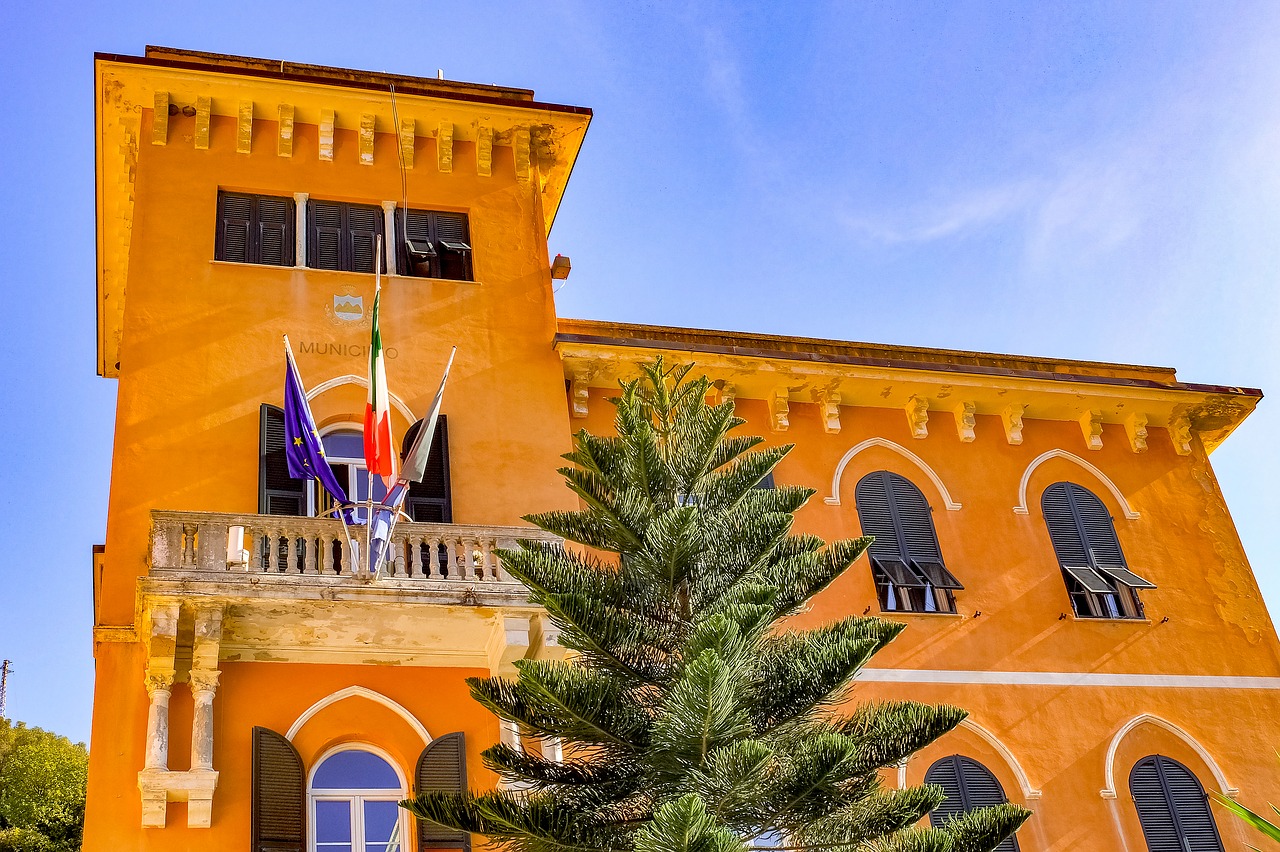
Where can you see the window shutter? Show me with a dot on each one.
(278, 493)
(1172, 807)
(364, 226)
(871, 496)
(419, 233)
(442, 767)
(430, 501)
(278, 809)
(235, 213)
(324, 246)
(914, 520)
(968, 785)
(1059, 517)
(454, 244)
(275, 231)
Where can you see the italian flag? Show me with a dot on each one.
(379, 452)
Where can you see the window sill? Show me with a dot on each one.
(1091, 620)
(929, 614)
(313, 271)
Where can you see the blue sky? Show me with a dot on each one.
(1100, 181)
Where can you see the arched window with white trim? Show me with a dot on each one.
(1172, 807)
(969, 785)
(353, 802)
(906, 561)
(1098, 579)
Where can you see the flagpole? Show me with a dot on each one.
(346, 531)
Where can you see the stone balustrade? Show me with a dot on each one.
(277, 544)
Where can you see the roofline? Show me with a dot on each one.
(658, 341)
(428, 92)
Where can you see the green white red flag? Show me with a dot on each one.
(379, 451)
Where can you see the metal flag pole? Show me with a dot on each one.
(368, 521)
(346, 531)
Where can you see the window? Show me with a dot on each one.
(254, 229)
(1172, 807)
(431, 501)
(906, 561)
(1093, 566)
(278, 493)
(433, 245)
(344, 450)
(343, 236)
(969, 785)
(354, 803)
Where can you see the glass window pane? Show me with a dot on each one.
(333, 822)
(349, 770)
(344, 444)
(380, 820)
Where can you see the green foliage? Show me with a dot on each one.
(1269, 829)
(693, 719)
(42, 790)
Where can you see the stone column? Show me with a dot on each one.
(204, 683)
(159, 688)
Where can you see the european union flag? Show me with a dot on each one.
(303, 449)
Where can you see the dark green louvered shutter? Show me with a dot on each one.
(324, 234)
(874, 502)
(968, 786)
(1084, 539)
(453, 241)
(415, 248)
(278, 809)
(235, 222)
(274, 231)
(906, 549)
(442, 767)
(364, 226)
(430, 501)
(1172, 807)
(278, 493)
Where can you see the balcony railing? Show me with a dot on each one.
(276, 544)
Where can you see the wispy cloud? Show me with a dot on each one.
(962, 213)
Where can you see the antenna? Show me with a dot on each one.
(5, 668)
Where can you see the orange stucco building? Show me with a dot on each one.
(1051, 531)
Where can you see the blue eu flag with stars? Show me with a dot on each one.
(303, 449)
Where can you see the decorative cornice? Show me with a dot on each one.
(966, 420)
(284, 130)
(917, 410)
(444, 147)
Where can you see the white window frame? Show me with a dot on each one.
(356, 796)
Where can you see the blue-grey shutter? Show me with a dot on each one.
(1172, 807)
(278, 811)
(278, 493)
(871, 496)
(430, 501)
(1059, 517)
(324, 243)
(235, 217)
(968, 785)
(274, 232)
(442, 767)
(364, 226)
(453, 242)
(416, 252)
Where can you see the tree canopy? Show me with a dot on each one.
(42, 790)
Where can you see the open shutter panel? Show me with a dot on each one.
(364, 226)
(1059, 517)
(442, 767)
(454, 244)
(430, 501)
(872, 499)
(1096, 527)
(275, 231)
(278, 493)
(415, 249)
(915, 519)
(278, 810)
(235, 215)
(324, 244)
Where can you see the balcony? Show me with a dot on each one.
(289, 590)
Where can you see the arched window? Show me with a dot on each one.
(969, 785)
(1172, 807)
(906, 561)
(1093, 566)
(353, 801)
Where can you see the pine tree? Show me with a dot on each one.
(693, 718)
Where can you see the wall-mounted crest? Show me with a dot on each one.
(346, 309)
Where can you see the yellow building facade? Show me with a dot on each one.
(1051, 531)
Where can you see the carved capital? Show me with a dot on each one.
(444, 147)
(1135, 426)
(244, 127)
(204, 680)
(1011, 417)
(366, 139)
(520, 148)
(284, 131)
(1091, 428)
(159, 680)
(1180, 434)
(728, 393)
(326, 135)
(160, 119)
(917, 417)
(203, 106)
(966, 419)
(780, 410)
(830, 405)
